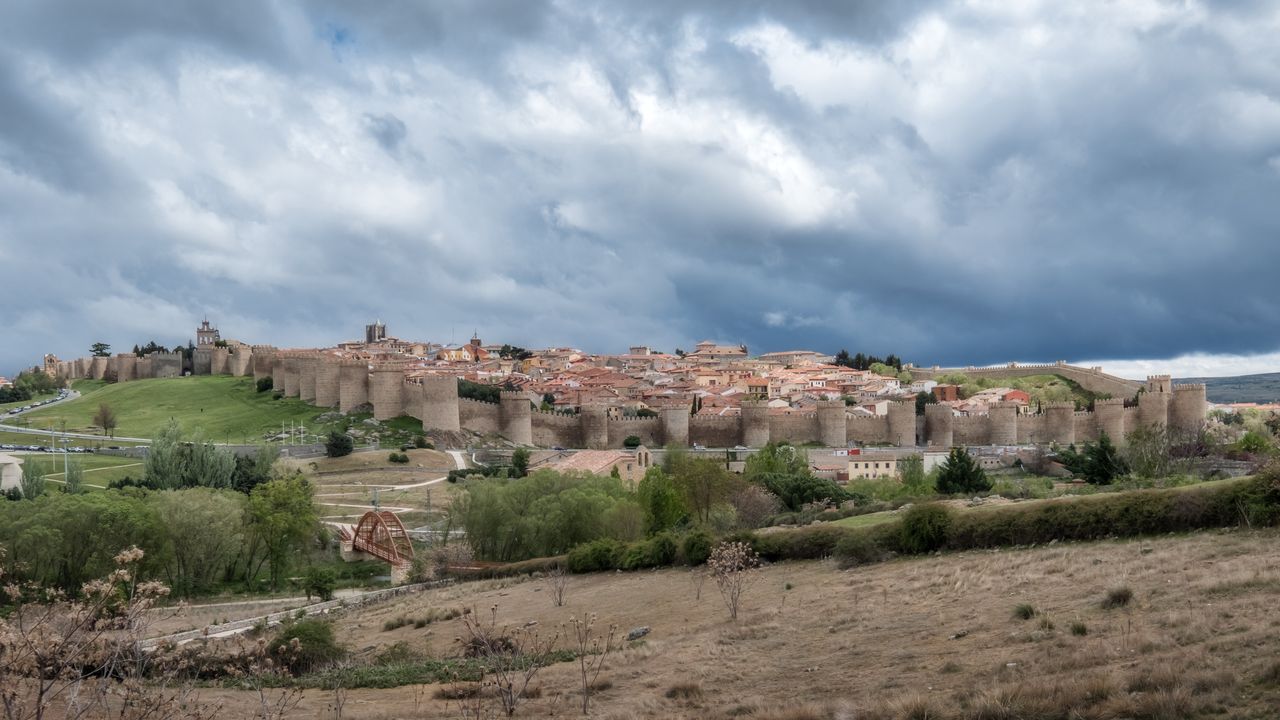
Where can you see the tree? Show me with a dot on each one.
(33, 483)
(631, 442)
(754, 505)
(1103, 462)
(100, 349)
(660, 500)
(911, 472)
(783, 470)
(281, 520)
(1254, 442)
(960, 474)
(320, 581)
(73, 480)
(520, 463)
(704, 484)
(922, 399)
(733, 565)
(162, 467)
(204, 531)
(338, 444)
(251, 472)
(105, 418)
(842, 358)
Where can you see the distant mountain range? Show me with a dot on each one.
(1261, 388)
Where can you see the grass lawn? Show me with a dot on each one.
(865, 520)
(225, 409)
(98, 469)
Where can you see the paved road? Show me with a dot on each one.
(459, 458)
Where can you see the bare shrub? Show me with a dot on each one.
(733, 565)
(592, 651)
(58, 651)
(1117, 598)
(685, 691)
(557, 579)
(511, 656)
(697, 578)
(754, 505)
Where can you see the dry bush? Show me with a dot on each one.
(592, 651)
(85, 654)
(557, 579)
(511, 656)
(686, 691)
(733, 565)
(1117, 598)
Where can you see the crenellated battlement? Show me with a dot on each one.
(1190, 387)
(1059, 405)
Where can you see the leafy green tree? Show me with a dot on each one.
(704, 484)
(33, 482)
(320, 581)
(631, 442)
(73, 480)
(1103, 462)
(106, 419)
(960, 473)
(62, 541)
(1255, 442)
(783, 470)
(204, 531)
(775, 459)
(545, 513)
(520, 463)
(922, 399)
(914, 479)
(163, 466)
(661, 502)
(100, 349)
(884, 370)
(206, 465)
(251, 472)
(282, 519)
(338, 444)
(478, 391)
(796, 491)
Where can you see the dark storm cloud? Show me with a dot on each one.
(951, 182)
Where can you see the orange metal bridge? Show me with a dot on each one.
(381, 534)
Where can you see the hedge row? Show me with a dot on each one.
(926, 528)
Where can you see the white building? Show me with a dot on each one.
(10, 472)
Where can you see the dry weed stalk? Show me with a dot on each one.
(592, 651)
(697, 578)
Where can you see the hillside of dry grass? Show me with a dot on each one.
(936, 637)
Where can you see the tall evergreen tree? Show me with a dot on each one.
(960, 474)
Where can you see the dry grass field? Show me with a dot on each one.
(936, 637)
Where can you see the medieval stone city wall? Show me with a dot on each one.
(329, 381)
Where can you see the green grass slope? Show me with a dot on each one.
(1041, 388)
(225, 409)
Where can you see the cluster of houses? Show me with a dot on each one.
(712, 378)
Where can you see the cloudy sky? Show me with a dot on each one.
(955, 182)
